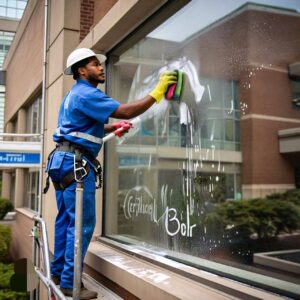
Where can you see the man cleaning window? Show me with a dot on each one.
(82, 123)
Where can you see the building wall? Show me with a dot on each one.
(21, 246)
(269, 110)
(8, 27)
(22, 82)
(29, 48)
(265, 91)
(64, 36)
(271, 94)
(86, 17)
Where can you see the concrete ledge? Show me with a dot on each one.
(150, 281)
(289, 140)
(270, 259)
(144, 280)
(289, 132)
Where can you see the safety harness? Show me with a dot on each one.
(81, 166)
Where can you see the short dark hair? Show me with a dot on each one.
(78, 65)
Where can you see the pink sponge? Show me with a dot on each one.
(170, 92)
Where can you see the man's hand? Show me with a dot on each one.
(165, 79)
(121, 127)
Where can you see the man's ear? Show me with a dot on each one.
(82, 71)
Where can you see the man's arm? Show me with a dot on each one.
(136, 108)
(109, 128)
(133, 109)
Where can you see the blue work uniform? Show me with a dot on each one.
(83, 113)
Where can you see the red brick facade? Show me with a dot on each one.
(91, 12)
(86, 17)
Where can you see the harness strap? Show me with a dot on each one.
(70, 147)
(46, 188)
(80, 168)
(67, 180)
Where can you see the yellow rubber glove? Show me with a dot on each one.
(165, 79)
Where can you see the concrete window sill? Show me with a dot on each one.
(147, 280)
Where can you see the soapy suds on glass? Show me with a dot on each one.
(191, 115)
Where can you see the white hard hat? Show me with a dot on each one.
(80, 54)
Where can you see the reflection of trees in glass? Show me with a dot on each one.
(211, 187)
(257, 218)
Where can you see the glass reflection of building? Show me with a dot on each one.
(172, 171)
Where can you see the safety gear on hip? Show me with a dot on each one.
(81, 167)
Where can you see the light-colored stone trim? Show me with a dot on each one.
(287, 133)
(205, 155)
(26, 212)
(114, 26)
(269, 118)
(8, 25)
(270, 259)
(251, 191)
(268, 186)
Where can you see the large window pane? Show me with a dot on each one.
(5, 42)
(32, 189)
(33, 125)
(204, 177)
(12, 9)
(33, 116)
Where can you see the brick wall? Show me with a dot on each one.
(86, 17)
(91, 12)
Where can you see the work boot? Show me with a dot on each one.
(56, 280)
(84, 293)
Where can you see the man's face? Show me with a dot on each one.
(93, 71)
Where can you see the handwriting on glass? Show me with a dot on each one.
(140, 201)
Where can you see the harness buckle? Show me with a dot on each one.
(79, 167)
(79, 173)
(98, 171)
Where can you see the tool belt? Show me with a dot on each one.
(81, 166)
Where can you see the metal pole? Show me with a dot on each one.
(43, 108)
(46, 278)
(35, 254)
(78, 241)
(45, 250)
(112, 135)
(55, 289)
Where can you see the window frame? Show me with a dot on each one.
(112, 56)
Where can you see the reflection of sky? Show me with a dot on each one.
(200, 13)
